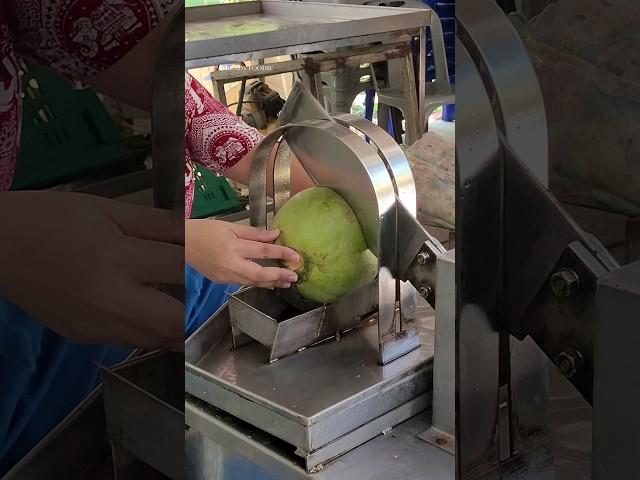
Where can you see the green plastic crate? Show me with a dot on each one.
(212, 195)
(67, 133)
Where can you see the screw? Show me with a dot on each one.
(423, 258)
(569, 361)
(565, 283)
(426, 291)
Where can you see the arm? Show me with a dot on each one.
(222, 251)
(207, 149)
(300, 180)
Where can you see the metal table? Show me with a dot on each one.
(255, 30)
(396, 454)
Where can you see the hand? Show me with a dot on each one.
(224, 253)
(87, 267)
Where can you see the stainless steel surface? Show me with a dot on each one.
(142, 400)
(77, 446)
(376, 182)
(240, 28)
(167, 121)
(442, 432)
(617, 392)
(518, 103)
(315, 461)
(278, 399)
(501, 97)
(269, 318)
(396, 454)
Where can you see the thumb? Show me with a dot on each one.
(252, 233)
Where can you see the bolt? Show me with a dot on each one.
(423, 258)
(565, 283)
(569, 362)
(426, 291)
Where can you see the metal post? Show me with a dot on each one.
(442, 431)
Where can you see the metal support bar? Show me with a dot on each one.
(413, 123)
(442, 430)
(547, 255)
(312, 65)
(617, 392)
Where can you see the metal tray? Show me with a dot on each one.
(359, 397)
(276, 25)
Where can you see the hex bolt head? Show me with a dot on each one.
(423, 258)
(426, 291)
(565, 283)
(569, 362)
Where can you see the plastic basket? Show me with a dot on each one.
(66, 132)
(212, 195)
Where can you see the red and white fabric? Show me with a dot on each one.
(214, 137)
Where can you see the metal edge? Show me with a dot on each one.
(366, 432)
(407, 18)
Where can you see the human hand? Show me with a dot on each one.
(224, 253)
(88, 267)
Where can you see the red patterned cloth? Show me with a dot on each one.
(214, 137)
(77, 38)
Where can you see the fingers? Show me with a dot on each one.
(147, 223)
(258, 250)
(157, 319)
(251, 233)
(271, 285)
(156, 262)
(268, 277)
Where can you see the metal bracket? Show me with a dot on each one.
(551, 270)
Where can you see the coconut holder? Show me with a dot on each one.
(367, 168)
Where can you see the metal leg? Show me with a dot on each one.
(219, 93)
(411, 113)
(318, 90)
(422, 73)
(632, 239)
(383, 116)
(442, 431)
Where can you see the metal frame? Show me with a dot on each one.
(500, 395)
(554, 284)
(357, 25)
(442, 432)
(378, 185)
(314, 64)
(324, 26)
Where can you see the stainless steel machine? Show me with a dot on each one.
(298, 390)
(535, 291)
(325, 379)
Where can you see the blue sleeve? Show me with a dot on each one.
(202, 298)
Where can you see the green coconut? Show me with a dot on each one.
(334, 259)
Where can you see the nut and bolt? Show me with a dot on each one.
(423, 258)
(569, 362)
(426, 291)
(565, 283)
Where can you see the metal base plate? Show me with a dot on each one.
(439, 439)
(316, 396)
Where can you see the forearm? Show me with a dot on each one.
(240, 172)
